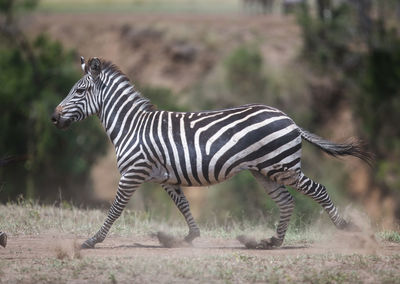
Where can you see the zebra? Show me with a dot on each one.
(3, 239)
(203, 148)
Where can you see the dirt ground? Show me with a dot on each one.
(55, 258)
(47, 245)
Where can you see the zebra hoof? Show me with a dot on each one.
(192, 235)
(3, 239)
(270, 243)
(88, 244)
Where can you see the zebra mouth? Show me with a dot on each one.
(60, 122)
(63, 123)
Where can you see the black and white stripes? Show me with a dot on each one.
(195, 149)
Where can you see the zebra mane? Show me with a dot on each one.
(109, 68)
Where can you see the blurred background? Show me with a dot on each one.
(333, 66)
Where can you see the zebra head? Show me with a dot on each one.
(82, 100)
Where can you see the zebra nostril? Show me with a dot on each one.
(54, 118)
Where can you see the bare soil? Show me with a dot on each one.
(211, 246)
(48, 246)
(56, 258)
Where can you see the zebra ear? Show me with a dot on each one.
(83, 65)
(94, 67)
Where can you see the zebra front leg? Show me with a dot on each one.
(285, 202)
(181, 202)
(126, 187)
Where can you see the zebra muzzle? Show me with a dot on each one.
(59, 121)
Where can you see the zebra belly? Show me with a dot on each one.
(172, 180)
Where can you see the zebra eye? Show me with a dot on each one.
(79, 91)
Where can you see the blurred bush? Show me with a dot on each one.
(378, 103)
(245, 74)
(35, 76)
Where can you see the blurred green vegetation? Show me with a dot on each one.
(35, 76)
(161, 97)
(244, 73)
(326, 40)
(140, 6)
(358, 47)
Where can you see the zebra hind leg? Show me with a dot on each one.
(319, 194)
(181, 202)
(285, 202)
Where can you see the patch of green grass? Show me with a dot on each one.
(112, 278)
(390, 236)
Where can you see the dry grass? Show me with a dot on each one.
(229, 268)
(30, 218)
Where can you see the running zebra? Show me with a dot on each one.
(178, 149)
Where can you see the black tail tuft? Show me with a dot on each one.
(354, 147)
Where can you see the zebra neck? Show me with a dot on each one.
(119, 112)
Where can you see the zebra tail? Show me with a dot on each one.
(354, 147)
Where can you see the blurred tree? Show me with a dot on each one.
(358, 47)
(326, 39)
(378, 99)
(35, 76)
